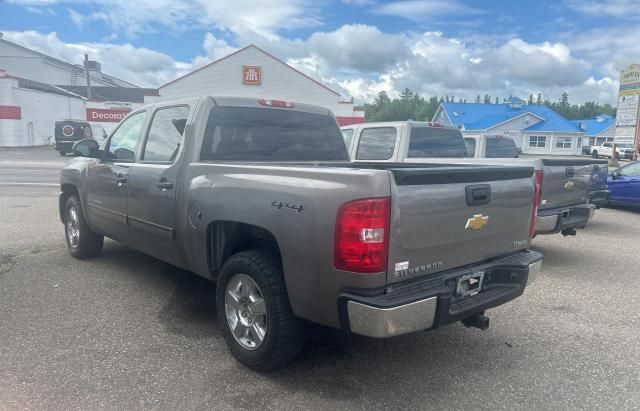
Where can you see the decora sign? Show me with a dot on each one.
(109, 115)
(251, 75)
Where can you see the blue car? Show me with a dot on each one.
(624, 184)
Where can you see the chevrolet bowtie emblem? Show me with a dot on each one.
(477, 222)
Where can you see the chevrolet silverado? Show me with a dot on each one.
(260, 197)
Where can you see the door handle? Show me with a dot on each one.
(121, 179)
(164, 184)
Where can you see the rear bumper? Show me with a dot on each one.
(558, 219)
(431, 301)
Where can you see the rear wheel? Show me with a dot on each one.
(62, 153)
(81, 241)
(254, 311)
(594, 154)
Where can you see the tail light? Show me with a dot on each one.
(362, 235)
(276, 103)
(537, 198)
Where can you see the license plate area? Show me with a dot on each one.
(469, 284)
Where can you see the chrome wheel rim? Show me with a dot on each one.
(246, 311)
(73, 227)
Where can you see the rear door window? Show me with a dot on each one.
(165, 134)
(429, 142)
(376, 143)
(500, 148)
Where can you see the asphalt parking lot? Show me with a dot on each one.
(127, 331)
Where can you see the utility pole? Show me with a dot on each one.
(86, 70)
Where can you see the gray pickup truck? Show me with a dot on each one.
(259, 196)
(565, 183)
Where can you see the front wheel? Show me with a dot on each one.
(253, 309)
(594, 154)
(62, 153)
(81, 241)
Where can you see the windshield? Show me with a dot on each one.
(430, 142)
(264, 134)
(500, 148)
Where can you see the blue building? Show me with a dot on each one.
(535, 128)
(597, 130)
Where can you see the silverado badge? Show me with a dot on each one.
(477, 222)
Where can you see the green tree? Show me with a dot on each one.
(487, 99)
(497, 100)
(530, 101)
(478, 99)
(406, 94)
(539, 99)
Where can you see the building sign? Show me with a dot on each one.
(108, 115)
(251, 75)
(628, 101)
(10, 113)
(627, 113)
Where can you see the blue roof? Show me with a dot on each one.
(593, 127)
(479, 116)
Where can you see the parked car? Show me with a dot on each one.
(67, 132)
(624, 184)
(586, 150)
(564, 183)
(491, 146)
(260, 196)
(623, 151)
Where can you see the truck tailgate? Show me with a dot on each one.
(565, 182)
(454, 216)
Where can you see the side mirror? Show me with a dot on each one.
(86, 148)
(615, 174)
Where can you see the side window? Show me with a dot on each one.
(470, 143)
(606, 145)
(376, 143)
(122, 145)
(165, 134)
(631, 170)
(347, 135)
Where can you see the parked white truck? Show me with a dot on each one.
(564, 184)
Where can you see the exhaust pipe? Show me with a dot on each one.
(479, 321)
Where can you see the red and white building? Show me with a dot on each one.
(252, 72)
(36, 90)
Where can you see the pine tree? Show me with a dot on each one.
(497, 100)
(539, 99)
(406, 94)
(487, 99)
(478, 99)
(530, 102)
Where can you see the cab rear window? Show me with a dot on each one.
(262, 134)
(426, 142)
(501, 148)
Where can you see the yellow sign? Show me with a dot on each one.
(477, 222)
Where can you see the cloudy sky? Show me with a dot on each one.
(358, 47)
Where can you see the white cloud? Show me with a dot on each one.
(420, 10)
(358, 46)
(624, 9)
(77, 18)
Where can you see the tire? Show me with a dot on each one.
(617, 156)
(594, 154)
(283, 334)
(62, 153)
(81, 241)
